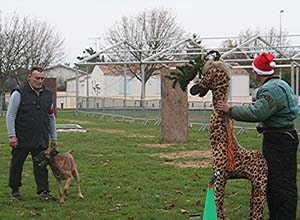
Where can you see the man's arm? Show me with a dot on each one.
(260, 110)
(11, 115)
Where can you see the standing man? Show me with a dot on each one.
(30, 119)
(275, 108)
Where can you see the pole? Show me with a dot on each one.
(297, 83)
(280, 36)
(77, 88)
(143, 85)
(87, 87)
(293, 77)
(280, 27)
(125, 86)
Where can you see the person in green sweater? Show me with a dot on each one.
(275, 108)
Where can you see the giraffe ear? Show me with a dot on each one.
(213, 55)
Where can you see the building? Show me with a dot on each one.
(61, 72)
(115, 82)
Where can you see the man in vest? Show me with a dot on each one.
(275, 109)
(30, 120)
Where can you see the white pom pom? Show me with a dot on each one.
(210, 57)
(272, 64)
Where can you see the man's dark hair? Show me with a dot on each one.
(36, 68)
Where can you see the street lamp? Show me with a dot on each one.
(280, 29)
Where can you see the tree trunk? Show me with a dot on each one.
(50, 83)
(174, 112)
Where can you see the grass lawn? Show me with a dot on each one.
(126, 173)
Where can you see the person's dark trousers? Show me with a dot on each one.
(19, 156)
(280, 151)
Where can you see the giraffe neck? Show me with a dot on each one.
(220, 94)
(219, 121)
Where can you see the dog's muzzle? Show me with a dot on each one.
(41, 159)
(197, 89)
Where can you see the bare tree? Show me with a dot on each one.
(271, 36)
(25, 42)
(146, 34)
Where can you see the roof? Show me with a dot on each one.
(238, 70)
(66, 67)
(119, 69)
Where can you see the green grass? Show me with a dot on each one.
(120, 177)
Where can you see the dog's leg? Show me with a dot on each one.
(76, 176)
(60, 191)
(67, 185)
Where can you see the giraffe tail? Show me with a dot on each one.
(230, 151)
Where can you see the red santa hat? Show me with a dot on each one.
(264, 64)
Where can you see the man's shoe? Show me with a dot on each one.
(15, 195)
(45, 196)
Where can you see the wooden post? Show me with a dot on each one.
(174, 112)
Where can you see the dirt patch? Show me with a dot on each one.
(109, 130)
(142, 136)
(79, 122)
(184, 154)
(190, 164)
(204, 155)
(155, 145)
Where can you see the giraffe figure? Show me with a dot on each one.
(249, 165)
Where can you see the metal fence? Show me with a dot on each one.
(138, 111)
(148, 111)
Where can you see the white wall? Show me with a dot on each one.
(113, 85)
(240, 85)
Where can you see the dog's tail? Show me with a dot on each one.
(70, 151)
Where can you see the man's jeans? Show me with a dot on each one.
(280, 151)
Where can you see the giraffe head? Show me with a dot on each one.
(215, 77)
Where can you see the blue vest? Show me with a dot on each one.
(32, 121)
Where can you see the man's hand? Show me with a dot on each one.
(53, 143)
(222, 106)
(13, 141)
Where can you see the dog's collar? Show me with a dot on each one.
(53, 153)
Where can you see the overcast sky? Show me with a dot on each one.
(79, 22)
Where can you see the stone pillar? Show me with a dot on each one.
(50, 83)
(174, 112)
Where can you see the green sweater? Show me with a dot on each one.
(275, 107)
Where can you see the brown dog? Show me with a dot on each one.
(63, 167)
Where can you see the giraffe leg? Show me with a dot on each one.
(257, 200)
(258, 196)
(219, 196)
